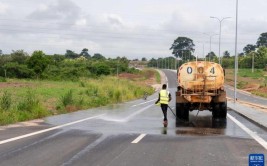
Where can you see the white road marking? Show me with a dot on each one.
(144, 103)
(46, 130)
(167, 81)
(249, 132)
(141, 136)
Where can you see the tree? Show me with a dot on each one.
(211, 55)
(85, 53)
(241, 54)
(1, 52)
(98, 56)
(226, 54)
(100, 68)
(262, 40)
(71, 54)
(38, 62)
(183, 46)
(261, 57)
(144, 59)
(248, 48)
(16, 70)
(19, 56)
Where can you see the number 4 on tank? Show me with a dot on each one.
(212, 70)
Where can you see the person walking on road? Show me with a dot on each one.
(164, 99)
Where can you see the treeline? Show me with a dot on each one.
(253, 55)
(71, 66)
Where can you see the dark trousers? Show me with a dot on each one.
(164, 108)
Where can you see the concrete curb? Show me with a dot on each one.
(250, 113)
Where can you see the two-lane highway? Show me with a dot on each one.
(131, 134)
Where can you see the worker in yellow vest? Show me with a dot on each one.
(164, 99)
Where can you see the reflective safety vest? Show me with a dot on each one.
(164, 97)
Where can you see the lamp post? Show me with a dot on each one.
(252, 65)
(236, 58)
(220, 21)
(210, 41)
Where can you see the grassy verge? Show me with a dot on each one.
(255, 82)
(22, 100)
(158, 78)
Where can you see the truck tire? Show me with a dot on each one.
(223, 110)
(216, 111)
(182, 112)
(186, 113)
(179, 108)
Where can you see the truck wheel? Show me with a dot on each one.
(216, 111)
(223, 110)
(179, 110)
(185, 113)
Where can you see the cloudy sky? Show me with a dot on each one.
(135, 29)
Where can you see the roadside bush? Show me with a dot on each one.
(5, 101)
(67, 99)
(100, 68)
(29, 102)
(2, 79)
(117, 96)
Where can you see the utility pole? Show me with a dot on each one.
(220, 21)
(252, 62)
(236, 58)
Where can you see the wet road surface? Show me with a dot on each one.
(131, 134)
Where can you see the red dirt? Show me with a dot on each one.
(14, 84)
(128, 76)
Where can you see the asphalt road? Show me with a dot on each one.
(130, 134)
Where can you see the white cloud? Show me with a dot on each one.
(126, 28)
(3, 8)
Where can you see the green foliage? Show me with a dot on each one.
(5, 101)
(249, 48)
(262, 40)
(118, 96)
(258, 73)
(2, 79)
(183, 47)
(98, 56)
(29, 102)
(67, 99)
(82, 84)
(211, 56)
(85, 53)
(15, 70)
(19, 56)
(71, 54)
(228, 63)
(241, 84)
(100, 68)
(158, 78)
(226, 54)
(38, 62)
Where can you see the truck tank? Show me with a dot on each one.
(200, 87)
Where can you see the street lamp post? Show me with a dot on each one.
(210, 42)
(236, 58)
(220, 21)
(252, 66)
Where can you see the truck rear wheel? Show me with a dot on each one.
(216, 111)
(182, 113)
(223, 110)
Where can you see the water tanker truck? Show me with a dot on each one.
(200, 87)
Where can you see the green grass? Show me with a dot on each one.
(30, 99)
(158, 78)
(258, 93)
(248, 73)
